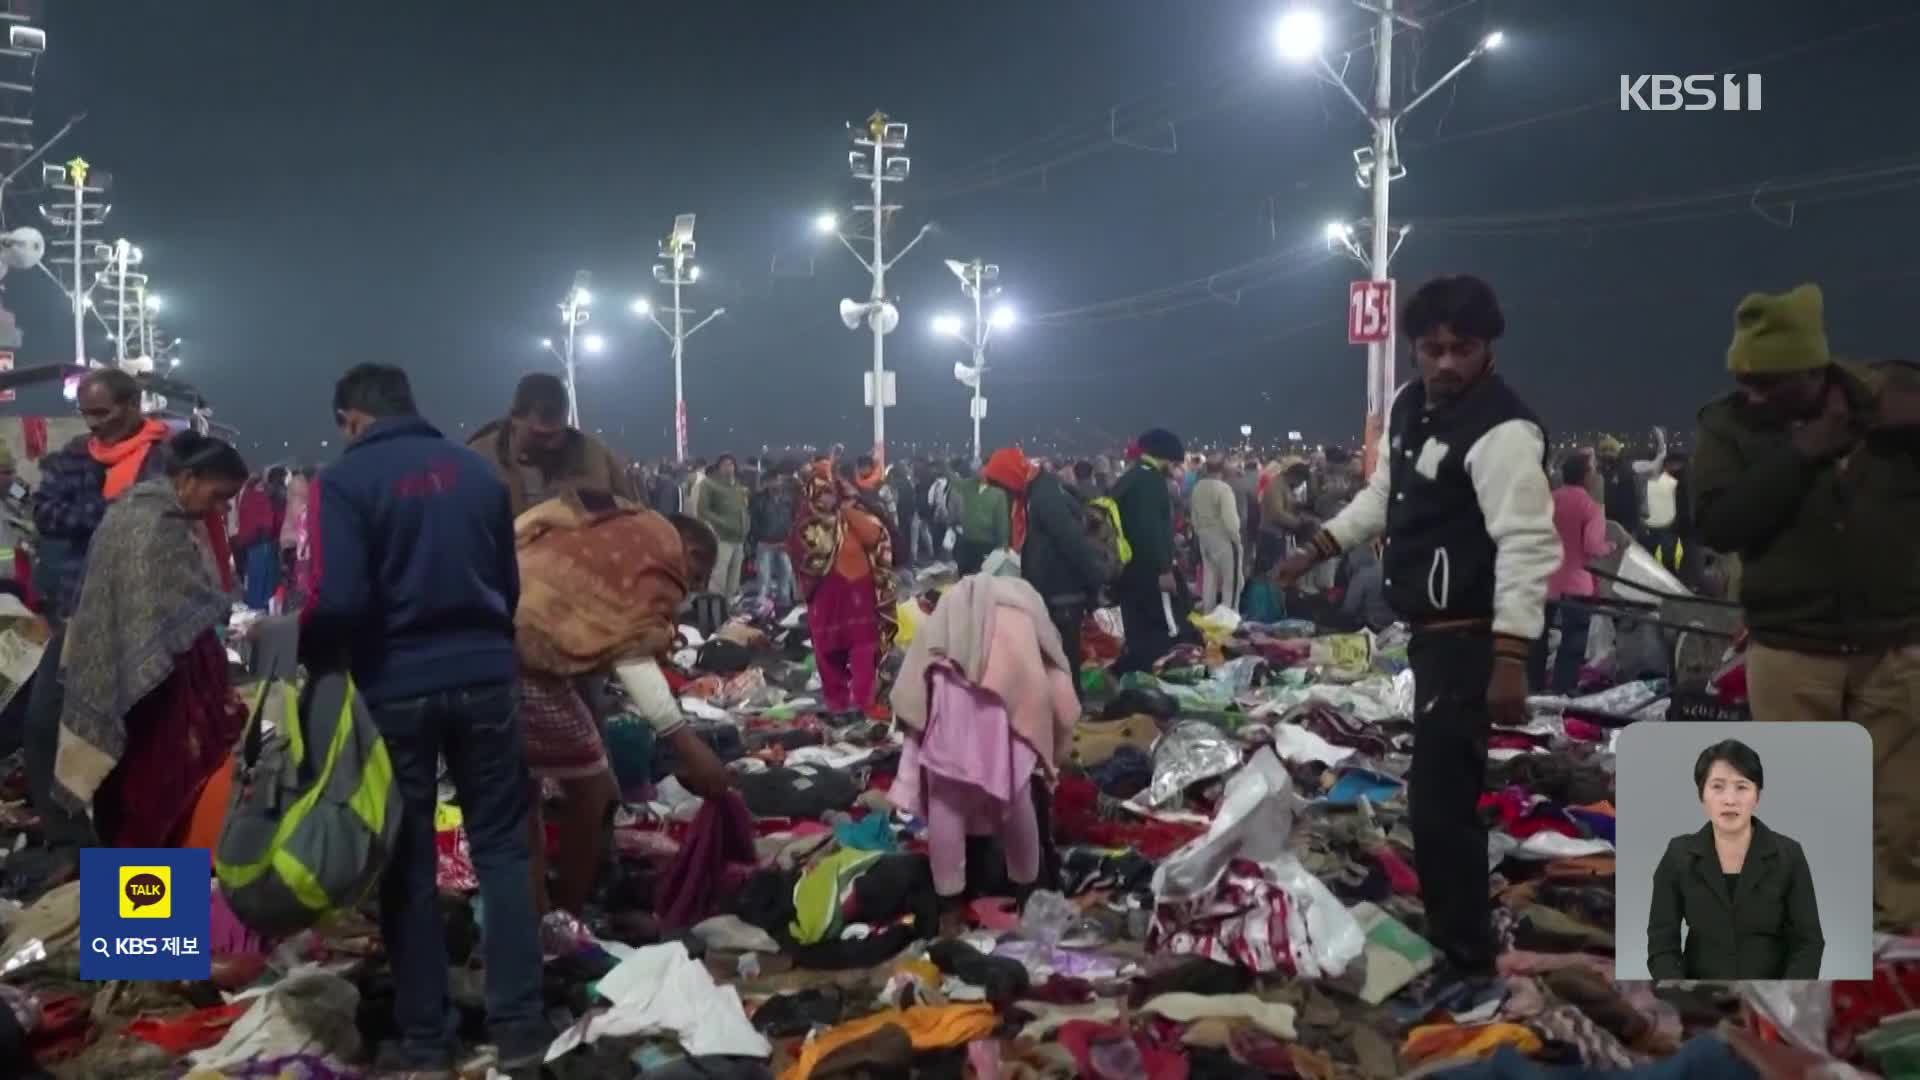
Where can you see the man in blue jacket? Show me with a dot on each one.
(415, 581)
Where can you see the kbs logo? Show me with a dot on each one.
(146, 892)
(1689, 93)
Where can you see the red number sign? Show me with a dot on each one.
(1369, 312)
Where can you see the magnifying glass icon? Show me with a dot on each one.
(100, 946)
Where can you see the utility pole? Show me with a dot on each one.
(126, 301)
(880, 160)
(84, 209)
(678, 270)
(573, 311)
(1376, 166)
(978, 281)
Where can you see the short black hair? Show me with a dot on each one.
(277, 475)
(379, 390)
(1083, 471)
(1338, 456)
(541, 396)
(864, 462)
(119, 385)
(191, 452)
(724, 458)
(1573, 471)
(1739, 757)
(1676, 457)
(1461, 302)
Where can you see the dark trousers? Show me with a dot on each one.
(1450, 672)
(1068, 619)
(1575, 621)
(40, 739)
(1143, 620)
(970, 555)
(478, 730)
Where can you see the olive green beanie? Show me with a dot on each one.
(1779, 334)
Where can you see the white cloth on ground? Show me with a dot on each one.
(660, 990)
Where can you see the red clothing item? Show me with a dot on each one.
(1582, 525)
(177, 736)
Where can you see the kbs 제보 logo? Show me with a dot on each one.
(146, 892)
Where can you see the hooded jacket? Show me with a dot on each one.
(1829, 550)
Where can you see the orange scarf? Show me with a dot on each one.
(125, 458)
(1010, 470)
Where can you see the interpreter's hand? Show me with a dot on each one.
(1899, 407)
(1507, 693)
(1829, 434)
(1294, 567)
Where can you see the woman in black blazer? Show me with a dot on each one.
(1744, 891)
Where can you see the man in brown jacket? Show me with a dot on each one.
(1810, 473)
(538, 456)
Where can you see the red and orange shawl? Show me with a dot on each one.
(822, 527)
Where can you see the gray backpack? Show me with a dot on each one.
(315, 812)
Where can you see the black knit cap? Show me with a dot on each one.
(1162, 444)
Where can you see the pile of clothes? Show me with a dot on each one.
(1224, 886)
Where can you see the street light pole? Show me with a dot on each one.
(1377, 167)
(979, 363)
(677, 270)
(573, 310)
(1380, 354)
(880, 160)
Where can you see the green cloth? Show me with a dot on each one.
(1830, 558)
(723, 506)
(820, 893)
(1779, 334)
(986, 517)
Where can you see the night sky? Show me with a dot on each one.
(316, 184)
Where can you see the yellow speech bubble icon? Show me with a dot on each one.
(146, 892)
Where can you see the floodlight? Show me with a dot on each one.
(693, 274)
(582, 297)
(826, 224)
(1494, 40)
(642, 306)
(1299, 35)
(153, 302)
(593, 343)
(1003, 318)
(947, 325)
(546, 343)
(1338, 230)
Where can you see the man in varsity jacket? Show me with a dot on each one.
(1460, 493)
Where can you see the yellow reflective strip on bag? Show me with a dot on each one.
(299, 881)
(241, 876)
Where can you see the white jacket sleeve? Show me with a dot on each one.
(652, 698)
(1505, 465)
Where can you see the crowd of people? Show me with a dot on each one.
(494, 601)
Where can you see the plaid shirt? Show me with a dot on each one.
(66, 510)
(69, 504)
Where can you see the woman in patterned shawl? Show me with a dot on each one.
(600, 582)
(843, 560)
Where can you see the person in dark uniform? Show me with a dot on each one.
(1744, 891)
(1460, 494)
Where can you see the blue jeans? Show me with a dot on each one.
(1575, 620)
(478, 729)
(776, 573)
